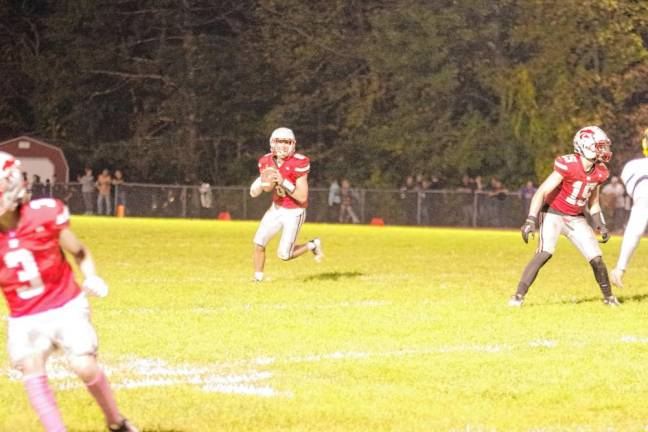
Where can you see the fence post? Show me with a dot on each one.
(362, 205)
(183, 198)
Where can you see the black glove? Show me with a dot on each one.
(529, 227)
(599, 224)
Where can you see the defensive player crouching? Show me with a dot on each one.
(560, 201)
(285, 173)
(47, 309)
(635, 179)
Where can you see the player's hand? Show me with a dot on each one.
(529, 228)
(95, 286)
(605, 234)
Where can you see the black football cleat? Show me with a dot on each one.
(124, 426)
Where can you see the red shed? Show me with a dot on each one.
(38, 157)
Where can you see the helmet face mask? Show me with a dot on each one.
(593, 144)
(282, 143)
(12, 186)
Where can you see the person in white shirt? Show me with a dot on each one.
(635, 179)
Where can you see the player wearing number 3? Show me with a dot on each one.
(285, 173)
(558, 205)
(47, 309)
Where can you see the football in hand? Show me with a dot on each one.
(268, 179)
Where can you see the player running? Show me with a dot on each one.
(285, 173)
(47, 309)
(557, 208)
(635, 179)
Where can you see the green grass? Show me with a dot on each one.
(399, 329)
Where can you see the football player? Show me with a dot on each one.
(47, 309)
(558, 208)
(635, 179)
(285, 173)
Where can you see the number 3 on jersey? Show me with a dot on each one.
(580, 194)
(24, 259)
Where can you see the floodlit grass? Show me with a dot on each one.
(399, 329)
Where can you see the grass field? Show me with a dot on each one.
(399, 329)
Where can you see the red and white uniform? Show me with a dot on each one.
(285, 214)
(291, 169)
(34, 274)
(566, 205)
(577, 185)
(47, 308)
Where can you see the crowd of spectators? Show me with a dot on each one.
(420, 199)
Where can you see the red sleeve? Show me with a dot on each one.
(264, 162)
(51, 213)
(562, 164)
(302, 167)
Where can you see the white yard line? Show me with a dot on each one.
(242, 377)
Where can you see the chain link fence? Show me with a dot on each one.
(392, 206)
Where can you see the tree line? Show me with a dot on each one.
(189, 90)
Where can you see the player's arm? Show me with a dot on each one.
(548, 186)
(597, 215)
(256, 188)
(71, 244)
(538, 200)
(298, 190)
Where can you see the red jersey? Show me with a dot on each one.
(34, 274)
(577, 185)
(292, 168)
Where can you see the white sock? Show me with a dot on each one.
(258, 276)
(310, 245)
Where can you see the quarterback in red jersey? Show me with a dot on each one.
(47, 309)
(558, 208)
(285, 174)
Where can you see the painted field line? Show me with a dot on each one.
(134, 372)
(252, 307)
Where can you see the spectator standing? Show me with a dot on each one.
(348, 197)
(120, 189)
(206, 199)
(37, 188)
(424, 201)
(497, 195)
(334, 200)
(409, 199)
(526, 193)
(104, 185)
(87, 190)
(614, 198)
(467, 187)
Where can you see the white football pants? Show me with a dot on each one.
(634, 230)
(575, 228)
(67, 327)
(280, 218)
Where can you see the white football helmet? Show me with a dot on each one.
(12, 187)
(593, 144)
(282, 143)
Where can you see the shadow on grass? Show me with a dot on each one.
(333, 276)
(622, 299)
